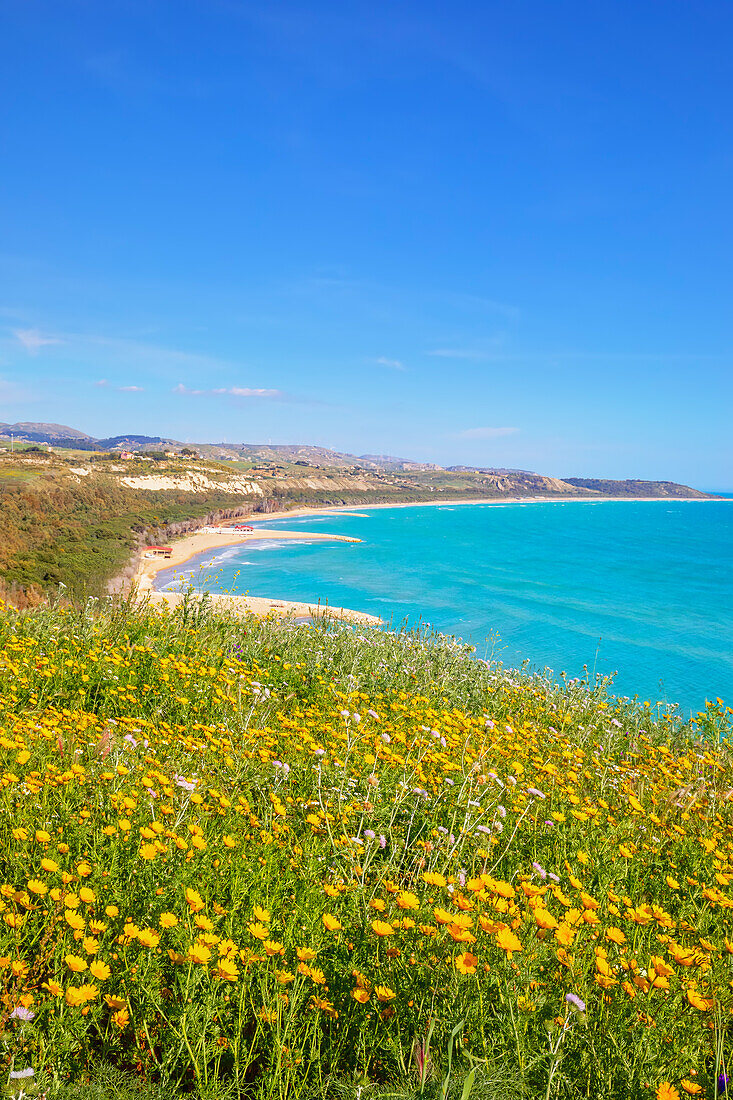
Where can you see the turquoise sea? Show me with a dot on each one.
(643, 589)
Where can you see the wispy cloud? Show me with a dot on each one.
(485, 433)
(33, 340)
(392, 364)
(131, 389)
(102, 382)
(231, 391)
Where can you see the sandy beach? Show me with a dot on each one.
(185, 549)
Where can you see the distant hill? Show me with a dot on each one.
(56, 434)
(134, 442)
(636, 488)
(498, 481)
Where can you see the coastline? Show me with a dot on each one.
(192, 546)
(348, 509)
(143, 582)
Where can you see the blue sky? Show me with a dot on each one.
(480, 233)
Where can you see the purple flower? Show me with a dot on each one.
(373, 714)
(575, 1002)
(186, 784)
(540, 870)
(382, 841)
(19, 1074)
(21, 1013)
(369, 834)
(723, 1080)
(535, 793)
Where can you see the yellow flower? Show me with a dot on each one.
(148, 938)
(91, 945)
(615, 935)
(112, 911)
(432, 878)
(466, 963)
(86, 895)
(272, 947)
(74, 919)
(544, 919)
(227, 970)
(80, 994)
(49, 865)
(406, 900)
(666, 1091)
(381, 928)
(262, 915)
(194, 900)
(75, 963)
(360, 995)
(121, 1018)
(258, 931)
(333, 924)
(507, 941)
(305, 954)
(384, 993)
(167, 920)
(42, 836)
(148, 851)
(698, 1001)
(53, 987)
(203, 922)
(99, 970)
(83, 869)
(198, 953)
(690, 1087)
(37, 887)
(284, 976)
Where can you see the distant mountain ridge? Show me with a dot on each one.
(498, 480)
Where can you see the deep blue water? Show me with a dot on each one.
(644, 589)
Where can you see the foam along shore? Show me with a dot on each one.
(184, 549)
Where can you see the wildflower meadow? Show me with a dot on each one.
(253, 858)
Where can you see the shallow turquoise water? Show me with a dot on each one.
(641, 588)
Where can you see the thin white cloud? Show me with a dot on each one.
(245, 391)
(130, 389)
(33, 340)
(102, 382)
(486, 433)
(393, 364)
(230, 391)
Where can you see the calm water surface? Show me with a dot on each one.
(641, 588)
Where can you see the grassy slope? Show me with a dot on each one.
(465, 770)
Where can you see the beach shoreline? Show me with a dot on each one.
(183, 550)
(192, 546)
(351, 509)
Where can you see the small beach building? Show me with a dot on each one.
(158, 551)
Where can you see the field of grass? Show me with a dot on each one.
(246, 858)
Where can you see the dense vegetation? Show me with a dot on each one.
(58, 532)
(261, 859)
